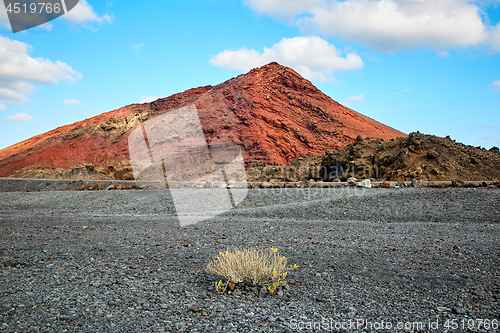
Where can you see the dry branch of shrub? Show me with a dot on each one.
(255, 265)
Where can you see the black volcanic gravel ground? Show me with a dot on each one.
(117, 261)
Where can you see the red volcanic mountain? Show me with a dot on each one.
(273, 113)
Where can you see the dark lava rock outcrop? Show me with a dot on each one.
(418, 156)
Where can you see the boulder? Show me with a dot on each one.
(365, 183)
(432, 154)
(417, 183)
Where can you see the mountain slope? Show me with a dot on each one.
(272, 112)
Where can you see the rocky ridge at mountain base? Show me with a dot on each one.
(418, 156)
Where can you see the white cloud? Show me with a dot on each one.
(83, 13)
(490, 140)
(400, 93)
(282, 8)
(2, 107)
(389, 25)
(4, 19)
(392, 25)
(490, 127)
(47, 26)
(137, 47)
(148, 99)
(496, 85)
(18, 70)
(73, 102)
(20, 117)
(13, 92)
(494, 39)
(353, 100)
(313, 57)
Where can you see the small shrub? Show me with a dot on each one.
(262, 268)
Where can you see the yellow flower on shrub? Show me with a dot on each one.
(219, 286)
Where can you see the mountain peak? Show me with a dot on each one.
(272, 112)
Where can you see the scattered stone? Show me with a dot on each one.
(172, 273)
(180, 325)
(457, 310)
(248, 284)
(443, 309)
(303, 184)
(365, 183)
(196, 309)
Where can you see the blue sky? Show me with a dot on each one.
(417, 65)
